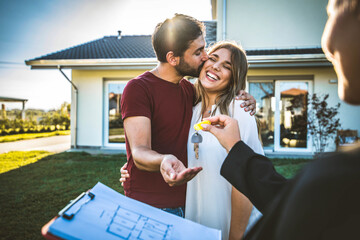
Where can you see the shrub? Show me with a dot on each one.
(322, 121)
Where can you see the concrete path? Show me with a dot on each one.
(51, 144)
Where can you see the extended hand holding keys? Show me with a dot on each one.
(225, 129)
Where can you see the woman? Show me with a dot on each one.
(210, 199)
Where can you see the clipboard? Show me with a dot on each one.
(103, 213)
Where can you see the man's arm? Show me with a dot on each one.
(138, 132)
(252, 174)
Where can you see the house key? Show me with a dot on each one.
(196, 138)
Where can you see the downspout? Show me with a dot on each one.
(76, 105)
(224, 20)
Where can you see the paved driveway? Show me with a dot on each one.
(52, 144)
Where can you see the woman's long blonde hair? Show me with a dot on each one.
(237, 81)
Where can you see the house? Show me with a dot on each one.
(11, 99)
(100, 70)
(282, 41)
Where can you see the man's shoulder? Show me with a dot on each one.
(334, 168)
(185, 84)
(143, 78)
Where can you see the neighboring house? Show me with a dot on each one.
(282, 41)
(11, 99)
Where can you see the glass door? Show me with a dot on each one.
(281, 112)
(113, 125)
(291, 132)
(264, 93)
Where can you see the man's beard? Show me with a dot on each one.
(184, 69)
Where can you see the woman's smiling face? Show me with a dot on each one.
(216, 73)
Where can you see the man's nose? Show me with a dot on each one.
(204, 56)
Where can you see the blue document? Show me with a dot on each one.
(103, 213)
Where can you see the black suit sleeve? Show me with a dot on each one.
(252, 174)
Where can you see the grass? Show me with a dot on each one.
(25, 136)
(288, 167)
(13, 160)
(32, 195)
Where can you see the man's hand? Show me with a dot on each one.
(124, 174)
(225, 129)
(249, 102)
(175, 173)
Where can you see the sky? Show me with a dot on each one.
(33, 28)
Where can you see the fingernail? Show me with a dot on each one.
(242, 105)
(246, 109)
(172, 176)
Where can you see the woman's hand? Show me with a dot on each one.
(124, 174)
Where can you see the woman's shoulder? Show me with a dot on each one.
(239, 111)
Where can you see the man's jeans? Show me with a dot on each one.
(179, 211)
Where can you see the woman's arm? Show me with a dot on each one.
(241, 208)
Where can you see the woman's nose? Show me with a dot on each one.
(216, 66)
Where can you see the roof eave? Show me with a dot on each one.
(261, 61)
(123, 63)
(293, 60)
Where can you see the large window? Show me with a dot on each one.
(113, 125)
(281, 110)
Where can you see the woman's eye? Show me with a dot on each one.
(227, 67)
(212, 59)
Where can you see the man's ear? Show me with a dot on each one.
(172, 59)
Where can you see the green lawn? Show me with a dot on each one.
(13, 160)
(33, 194)
(288, 167)
(24, 136)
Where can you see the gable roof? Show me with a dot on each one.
(106, 48)
(115, 47)
(127, 52)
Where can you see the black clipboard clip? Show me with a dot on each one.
(63, 213)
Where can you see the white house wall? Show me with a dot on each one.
(90, 118)
(264, 24)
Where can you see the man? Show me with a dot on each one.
(321, 202)
(156, 108)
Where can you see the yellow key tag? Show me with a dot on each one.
(198, 126)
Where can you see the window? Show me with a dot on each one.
(113, 125)
(281, 109)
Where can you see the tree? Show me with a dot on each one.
(322, 121)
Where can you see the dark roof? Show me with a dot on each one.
(11, 99)
(262, 52)
(110, 47)
(107, 47)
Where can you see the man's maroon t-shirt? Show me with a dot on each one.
(169, 107)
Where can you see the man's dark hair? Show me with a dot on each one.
(176, 34)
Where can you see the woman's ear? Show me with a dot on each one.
(172, 59)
